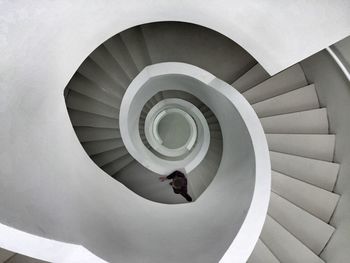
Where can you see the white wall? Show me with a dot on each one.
(276, 33)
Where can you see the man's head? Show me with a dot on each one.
(178, 182)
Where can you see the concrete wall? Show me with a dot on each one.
(334, 93)
(277, 33)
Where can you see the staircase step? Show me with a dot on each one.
(86, 87)
(316, 172)
(149, 105)
(130, 177)
(262, 254)
(108, 64)
(301, 99)
(284, 245)
(203, 174)
(109, 156)
(116, 47)
(86, 134)
(188, 43)
(251, 78)
(204, 108)
(287, 80)
(305, 122)
(113, 167)
(182, 95)
(212, 119)
(311, 231)
(95, 147)
(215, 135)
(153, 101)
(143, 114)
(315, 200)
(81, 118)
(208, 114)
(316, 146)
(147, 185)
(77, 101)
(214, 126)
(92, 71)
(135, 43)
(158, 97)
(5, 255)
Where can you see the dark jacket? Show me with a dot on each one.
(183, 181)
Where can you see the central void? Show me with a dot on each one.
(173, 129)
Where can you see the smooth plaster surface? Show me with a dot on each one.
(276, 34)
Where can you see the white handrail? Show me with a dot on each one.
(339, 62)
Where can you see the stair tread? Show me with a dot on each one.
(287, 80)
(316, 172)
(108, 156)
(147, 185)
(200, 177)
(251, 78)
(315, 200)
(306, 122)
(262, 254)
(99, 146)
(77, 101)
(116, 47)
(92, 71)
(158, 97)
(5, 255)
(301, 99)
(135, 43)
(286, 247)
(182, 95)
(115, 166)
(316, 146)
(311, 231)
(106, 62)
(82, 118)
(86, 134)
(82, 85)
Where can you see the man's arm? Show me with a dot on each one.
(169, 177)
(162, 178)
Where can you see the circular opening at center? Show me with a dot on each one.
(173, 129)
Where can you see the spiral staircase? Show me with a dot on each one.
(301, 146)
(296, 128)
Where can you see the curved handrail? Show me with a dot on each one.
(339, 62)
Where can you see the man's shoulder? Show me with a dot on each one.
(179, 174)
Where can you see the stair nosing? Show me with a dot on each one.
(312, 84)
(316, 109)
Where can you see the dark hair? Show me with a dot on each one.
(178, 183)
